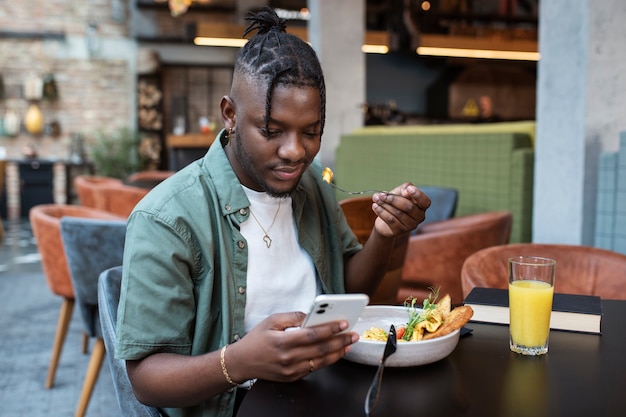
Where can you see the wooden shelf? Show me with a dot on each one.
(27, 35)
(191, 140)
(223, 6)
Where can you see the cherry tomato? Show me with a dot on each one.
(400, 332)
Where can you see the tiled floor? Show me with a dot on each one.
(28, 316)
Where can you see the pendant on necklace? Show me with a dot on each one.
(267, 240)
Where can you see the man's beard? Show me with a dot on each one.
(246, 163)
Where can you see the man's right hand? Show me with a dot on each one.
(269, 352)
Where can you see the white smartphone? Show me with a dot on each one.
(333, 307)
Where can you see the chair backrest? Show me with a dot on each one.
(119, 199)
(436, 254)
(45, 220)
(148, 179)
(361, 218)
(108, 298)
(358, 210)
(91, 246)
(443, 203)
(359, 214)
(579, 269)
(85, 184)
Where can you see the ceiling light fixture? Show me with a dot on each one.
(374, 49)
(239, 42)
(229, 42)
(476, 47)
(228, 35)
(479, 53)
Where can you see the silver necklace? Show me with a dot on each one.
(266, 237)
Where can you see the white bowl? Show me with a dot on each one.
(407, 353)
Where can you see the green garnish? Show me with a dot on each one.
(416, 317)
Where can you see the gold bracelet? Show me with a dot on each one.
(224, 370)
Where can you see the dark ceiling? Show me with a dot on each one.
(441, 16)
(404, 19)
(407, 20)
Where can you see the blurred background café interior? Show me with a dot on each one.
(76, 77)
(511, 112)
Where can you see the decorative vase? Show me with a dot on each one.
(33, 87)
(33, 120)
(11, 123)
(50, 90)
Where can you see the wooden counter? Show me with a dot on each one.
(191, 140)
(184, 149)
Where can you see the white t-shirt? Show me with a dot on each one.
(281, 277)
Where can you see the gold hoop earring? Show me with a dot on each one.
(229, 133)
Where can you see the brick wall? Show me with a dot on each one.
(95, 92)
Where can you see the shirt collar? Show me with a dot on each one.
(227, 186)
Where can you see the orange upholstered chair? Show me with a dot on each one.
(45, 221)
(436, 254)
(85, 184)
(361, 218)
(579, 269)
(119, 199)
(148, 179)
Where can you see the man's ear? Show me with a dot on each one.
(228, 112)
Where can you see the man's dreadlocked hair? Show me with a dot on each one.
(279, 58)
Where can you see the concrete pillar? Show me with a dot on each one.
(580, 111)
(336, 32)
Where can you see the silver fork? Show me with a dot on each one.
(372, 393)
(359, 192)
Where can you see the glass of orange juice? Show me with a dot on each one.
(531, 286)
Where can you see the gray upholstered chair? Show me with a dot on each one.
(108, 299)
(45, 220)
(91, 246)
(443, 202)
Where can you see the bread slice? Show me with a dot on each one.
(455, 320)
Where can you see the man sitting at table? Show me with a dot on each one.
(234, 247)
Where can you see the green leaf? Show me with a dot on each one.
(416, 317)
(116, 154)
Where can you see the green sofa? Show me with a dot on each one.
(491, 165)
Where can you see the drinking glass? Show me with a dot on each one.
(531, 287)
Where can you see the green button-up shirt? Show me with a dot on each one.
(185, 262)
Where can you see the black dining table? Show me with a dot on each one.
(581, 375)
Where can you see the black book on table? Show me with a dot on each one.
(577, 313)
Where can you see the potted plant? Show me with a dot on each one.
(116, 153)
